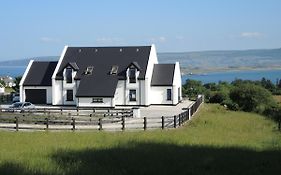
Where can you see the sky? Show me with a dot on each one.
(31, 28)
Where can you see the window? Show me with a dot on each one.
(68, 74)
(69, 95)
(97, 100)
(89, 70)
(132, 75)
(133, 95)
(169, 94)
(114, 70)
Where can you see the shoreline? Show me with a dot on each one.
(206, 71)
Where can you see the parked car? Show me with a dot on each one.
(16, 98)
(22, 106)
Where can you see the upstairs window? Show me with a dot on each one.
(68, 75)
(69, 95)
(133, 95)
(169, 94)
(132, 75)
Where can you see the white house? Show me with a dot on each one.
(103, 77)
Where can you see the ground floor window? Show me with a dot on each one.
(97, 100)
(69, 95)
(133, 95)
(169, 94)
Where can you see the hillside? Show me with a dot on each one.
(224, 60)
(204, 61)
(216, 141)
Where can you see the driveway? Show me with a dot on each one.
(164, 110)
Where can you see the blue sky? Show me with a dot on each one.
(32, 28)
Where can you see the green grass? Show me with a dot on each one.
(216, 141)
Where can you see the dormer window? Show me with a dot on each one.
(89, 70)
(68, 75)
(132, 75)
(114, 70)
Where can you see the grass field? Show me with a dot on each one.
(277, 98)
(216, 141)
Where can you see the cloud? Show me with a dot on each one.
(251, 35)
(109, 40)
(179, 38)
(160, 39)
(48, 39)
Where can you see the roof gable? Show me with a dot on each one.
(163, 75)
(40, 74)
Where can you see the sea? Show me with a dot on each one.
(215, 77)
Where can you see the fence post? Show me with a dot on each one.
(100, 124)
(73, 123)
(60, 111)
(175, 121)
(144, 123)
(179, 120)
(163, 122)
(17, 123)
(123, 123)
(47, 123)
(77, 110)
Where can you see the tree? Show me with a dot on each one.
(251, 97)
(274, 113)
(192, 88)
(267, 84)
(17, 82)
(2, 83)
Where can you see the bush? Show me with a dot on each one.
(274, 113)
(192, 88)
(230, 105)
(218, 97)
(251, 97)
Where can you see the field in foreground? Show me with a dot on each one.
(216, 141)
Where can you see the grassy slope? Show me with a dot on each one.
(215, 142)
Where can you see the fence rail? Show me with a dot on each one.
(106, 121)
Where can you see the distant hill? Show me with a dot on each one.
(203, 61)
(224, 60)
(24, 62)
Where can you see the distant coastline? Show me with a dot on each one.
(186, 71)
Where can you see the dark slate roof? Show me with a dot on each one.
(73, 65)
(100, 82)
(40, 74)
(163, 75)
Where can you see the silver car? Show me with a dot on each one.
(22, 106)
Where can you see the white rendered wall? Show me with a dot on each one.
(177, 84)
(159, 95)
(87, 102)
(119, 97)
(2, 90)
(57, 84)
(47, 88)
(148, 75)
(69, 86)
(22, 96)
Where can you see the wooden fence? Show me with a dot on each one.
(116, 120)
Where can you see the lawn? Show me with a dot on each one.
(216, 141)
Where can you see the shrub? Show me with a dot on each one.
(218, 97)
(274, 113)
(192, 88)
(251, 97)
(230, 105)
